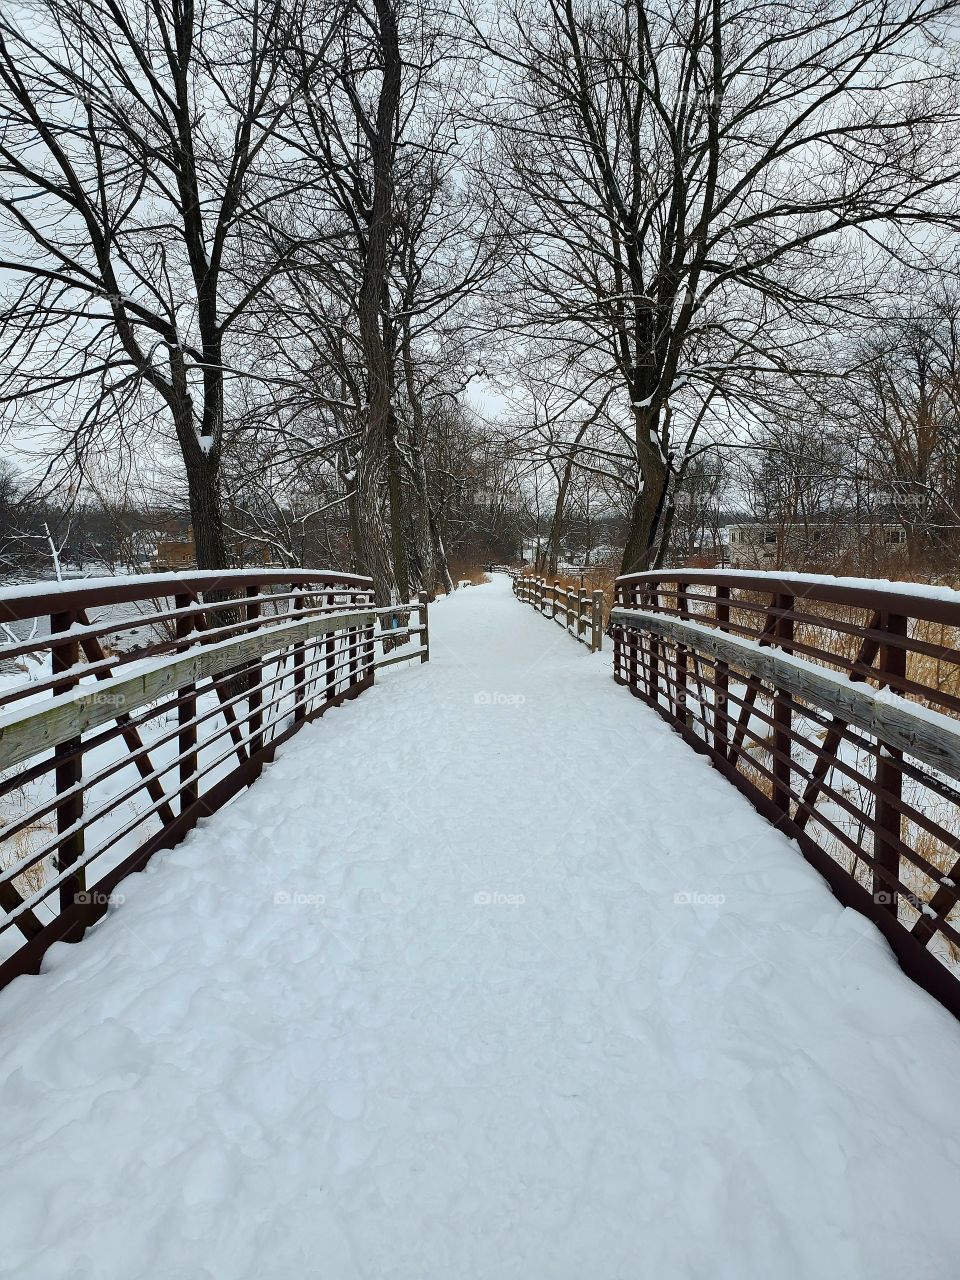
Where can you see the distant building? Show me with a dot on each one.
(176, 553)
(762, 543)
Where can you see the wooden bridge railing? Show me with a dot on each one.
(130, 708)
(832, 704)
(579, 611)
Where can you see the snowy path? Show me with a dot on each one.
(425, 1004)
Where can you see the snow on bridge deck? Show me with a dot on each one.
(488, 976)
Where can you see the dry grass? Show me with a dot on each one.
(759, 779)
(937, 672)
(468, 573)
(596, 578)
(20, 847)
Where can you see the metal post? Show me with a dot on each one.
(254, 677)
(596, 624)
(68, 772)
(186, 714)
(888, 819)
(721, 699)
(782, 711)
(299, 665)
(424, 627)
(653, 674)
(682, 671)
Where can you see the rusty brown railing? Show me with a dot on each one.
(832, 705)
(580, 612)
(132, 707)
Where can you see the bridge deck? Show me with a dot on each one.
(488, 976)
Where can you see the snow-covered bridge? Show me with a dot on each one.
(488, 975)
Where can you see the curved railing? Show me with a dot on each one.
(832, 704)
(132, 707)
(578, 611)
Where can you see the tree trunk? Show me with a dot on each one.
(645, 516)
(556, 523)
(206, 515)
(201, 459)
(398, 531)
(428, 534)
(379, 449)
(373, 549)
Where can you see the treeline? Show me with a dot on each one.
(43, 537)
(860, 468)
(245, 236)
(734, 217)
(90, 534)
(281, 254)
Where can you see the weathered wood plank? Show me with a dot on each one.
(422, 654)
(925, 735)
(27, 731)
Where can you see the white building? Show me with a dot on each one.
(759, 544)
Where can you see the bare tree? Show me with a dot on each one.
(696, 185)
(902, 401)
(137, 158)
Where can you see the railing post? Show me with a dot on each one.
(254, 677)
(299, 666)
(68, 771)
(425, 625)
(556, 597)
(782, 711)
(618, 665)
(189, 790)
(888, 819)
(633, 641)
(721, 713)
(370, 650)
(331, 678)
(596, 624)
(653, 675)
(353, 649)
(683, 666)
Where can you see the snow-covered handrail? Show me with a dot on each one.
(579, 611)
(131, 708)
(834, 705)
(27, 599)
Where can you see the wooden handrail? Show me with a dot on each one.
(32, 599)
(191, 690)
(834, 706)
(27, 730)
(581, 612)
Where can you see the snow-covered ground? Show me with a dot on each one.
(488, 977)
